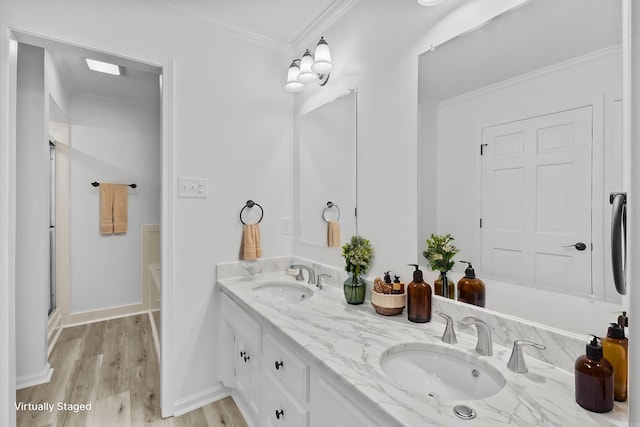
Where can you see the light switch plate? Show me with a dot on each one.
(286, 226)
(193, 187)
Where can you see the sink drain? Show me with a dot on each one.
(464, 412)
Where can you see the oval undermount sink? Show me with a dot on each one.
(289, 292)
(441, 372)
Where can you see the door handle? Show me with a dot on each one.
(619, 240)
(579, 246)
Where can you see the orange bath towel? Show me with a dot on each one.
(114, 208)
(106, 208)
(120, 209)
(333, 234)
(251, 245)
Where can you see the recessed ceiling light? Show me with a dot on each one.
(103, 67)
(429, 2)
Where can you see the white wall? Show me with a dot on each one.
(32, 224)
(375, 48)
(113, 141)
(57, 87)
(231, 125)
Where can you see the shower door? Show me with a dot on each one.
(52, 227)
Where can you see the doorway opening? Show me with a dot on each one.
(91, 128)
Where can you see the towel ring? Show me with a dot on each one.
(329, 206)
(250, 204)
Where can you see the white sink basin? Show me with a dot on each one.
(441, 372)
(289, 292)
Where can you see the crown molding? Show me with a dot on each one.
(327, 18)
(223, 26)
(579, 60)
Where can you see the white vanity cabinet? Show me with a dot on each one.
(276, 384)
(285, 385)
(240, 354)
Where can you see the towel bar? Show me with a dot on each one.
(250, 204)
(97, 184)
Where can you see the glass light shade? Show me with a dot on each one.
(293, 84)
(429, 2)
(322, 63)
(306, 74)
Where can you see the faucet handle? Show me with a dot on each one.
(516, 361)
(299, 276)
(449, 335)
(319, 279)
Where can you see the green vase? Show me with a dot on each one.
(354, 289)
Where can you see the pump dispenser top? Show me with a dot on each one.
(471, 289)
(387, 277)
(417, 274)
(418, 298)
(469, 271)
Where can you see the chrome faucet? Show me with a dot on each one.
(485, 345)
(319, 282)
(449, 335)
(516, 361)
(300, 276)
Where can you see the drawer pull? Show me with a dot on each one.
(246, 358)
(279, 364)
(279, 413)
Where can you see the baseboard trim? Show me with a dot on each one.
(198, 400)
(35, 379)
(82, 318)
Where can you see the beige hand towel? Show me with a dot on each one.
(251, 245)
(120, 208)
(106, 208)
(334, 234)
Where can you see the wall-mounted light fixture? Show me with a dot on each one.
(311, 67)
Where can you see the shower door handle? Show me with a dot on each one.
(619, 240)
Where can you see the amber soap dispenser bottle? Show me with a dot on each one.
(615, 349)
(471, 289)
(418, 298)
(594, 379)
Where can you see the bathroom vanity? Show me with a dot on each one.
(296, 355)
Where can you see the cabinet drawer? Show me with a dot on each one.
(278, 407)
(287, 367)
(240, 321)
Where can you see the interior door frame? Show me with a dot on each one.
(9, 36)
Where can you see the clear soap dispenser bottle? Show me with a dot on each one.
(418, 298)
(594, 379)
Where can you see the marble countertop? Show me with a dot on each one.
(349, 341)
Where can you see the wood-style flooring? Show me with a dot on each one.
(112, 365)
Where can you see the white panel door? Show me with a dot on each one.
(536, 201)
